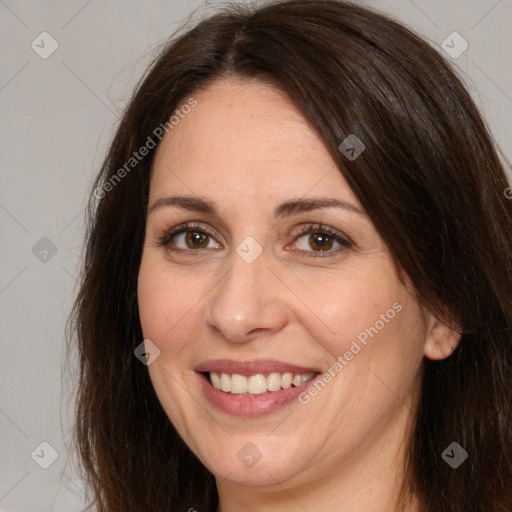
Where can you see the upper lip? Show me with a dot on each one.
(252, 367)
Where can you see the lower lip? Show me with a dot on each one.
(257, 405)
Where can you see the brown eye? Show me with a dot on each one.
(187, 238)
(320, 241)
(196, 240)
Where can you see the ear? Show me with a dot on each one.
(441, 339)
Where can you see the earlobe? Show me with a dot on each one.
(441, 340)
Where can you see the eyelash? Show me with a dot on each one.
(165, 237)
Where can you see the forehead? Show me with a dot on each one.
(241, 137)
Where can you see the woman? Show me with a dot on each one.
(296, 289)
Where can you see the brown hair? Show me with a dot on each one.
(430, 179)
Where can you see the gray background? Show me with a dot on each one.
(57, 116)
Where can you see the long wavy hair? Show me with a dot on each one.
(431, 180)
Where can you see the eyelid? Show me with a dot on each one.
(342, 239)
(165, 236)
(319, 227)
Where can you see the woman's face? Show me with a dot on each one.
(258, 288)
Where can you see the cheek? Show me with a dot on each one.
(369, 319)
(167, 300)
(367, 306)
(373, 342)
(347, 303)
(169, 304)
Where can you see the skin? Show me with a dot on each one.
(247, 149)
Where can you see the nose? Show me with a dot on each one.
(247, 302)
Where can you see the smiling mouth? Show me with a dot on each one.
(257, 384)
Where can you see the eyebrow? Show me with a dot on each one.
(286, 209)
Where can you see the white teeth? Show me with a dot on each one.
(297, 381)
(257, 384)
(225, 382)
(216, 382)
(238, 383)
(286, 380)
(274, 382)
